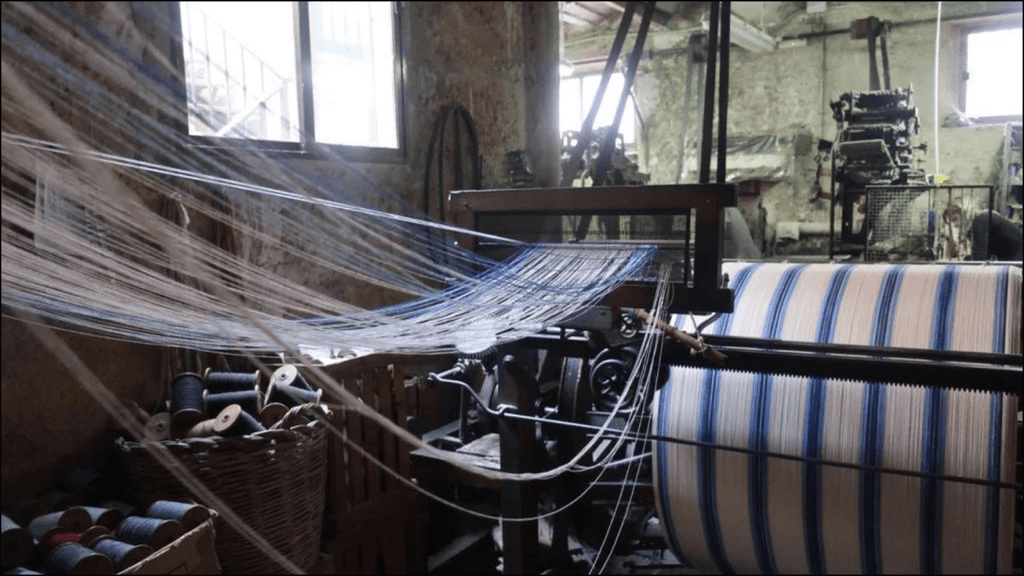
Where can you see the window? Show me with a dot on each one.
(992, 83)
(576, 94)
(294, 75)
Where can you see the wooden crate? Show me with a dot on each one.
(374, 522)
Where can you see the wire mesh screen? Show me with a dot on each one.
(914, 223)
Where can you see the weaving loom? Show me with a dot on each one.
(862, 419)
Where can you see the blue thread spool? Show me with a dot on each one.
(21, 570)
(218, 382)
(186, 400)
(190, 515)
(122, 554)
(106, 517)
(16, 542)
(155, 532)
(290, 395)
(288, 375)
(249, 400)
(73, 558)
(74, 520)
(247, 424)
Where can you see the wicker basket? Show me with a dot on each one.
(275, 481)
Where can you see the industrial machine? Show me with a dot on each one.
(581, 396)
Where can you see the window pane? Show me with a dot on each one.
(994, 73)
(354, 91)
(606, 114)
(569, 115)
(240, 70)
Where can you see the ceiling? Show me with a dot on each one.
(580, 16)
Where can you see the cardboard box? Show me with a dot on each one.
(194, 553)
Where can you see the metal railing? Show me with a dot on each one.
(224, 100)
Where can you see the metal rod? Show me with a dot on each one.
(916, 353)
(637, 436)
(709, 97)
(723, 89)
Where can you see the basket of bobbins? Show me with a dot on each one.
(260, 447)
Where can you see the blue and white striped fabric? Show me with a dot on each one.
(733, 512)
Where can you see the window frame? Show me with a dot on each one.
(964, 32)
(307, 147)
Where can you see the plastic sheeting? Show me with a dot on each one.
(765, 157)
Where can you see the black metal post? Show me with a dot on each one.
(723, 89)
(709, 97)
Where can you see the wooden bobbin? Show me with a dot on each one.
(231, 381)
(289, 375)
(122, 554)
(92, 534)
(159, 427)
(73, 558)
(247, 424)
(290, 395)
(190, 515)
(272, 413)
(73, 520)
(223, 422)
(59, 536)
(251, 400)
(16, 543)
(155, 532)
(106, 517)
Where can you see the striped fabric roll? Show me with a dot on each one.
(734, 512)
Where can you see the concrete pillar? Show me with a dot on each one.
(540, 85)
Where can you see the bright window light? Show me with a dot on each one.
(240, 70)
(354, 73)
(244, 81)
(994, 73)
(576, 96)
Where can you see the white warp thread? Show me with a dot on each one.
(732, 512)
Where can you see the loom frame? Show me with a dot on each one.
(700, 287)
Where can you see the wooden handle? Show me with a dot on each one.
(682, 337)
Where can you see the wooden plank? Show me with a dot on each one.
(357, 462)
(386, 381)
(595, 200)
(402, 411)
(338, 495)
(371, 435)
